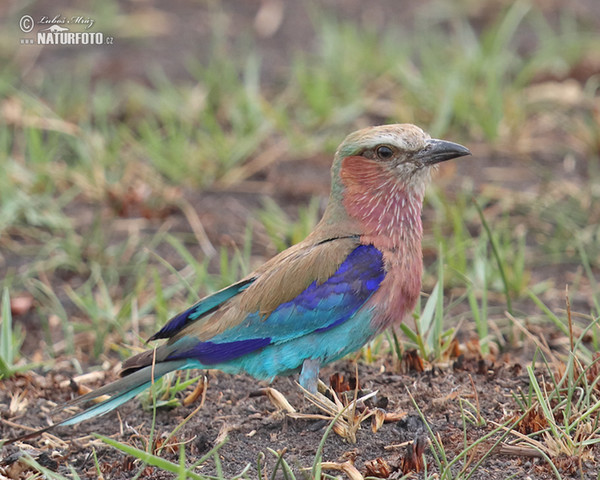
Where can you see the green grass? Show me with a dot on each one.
(284, 231)
(92, 171)
(564, 394)
(11, 339)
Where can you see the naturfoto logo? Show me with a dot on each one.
(56, 31)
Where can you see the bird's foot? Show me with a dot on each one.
(309, 376)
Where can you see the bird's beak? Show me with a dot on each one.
(437, 151)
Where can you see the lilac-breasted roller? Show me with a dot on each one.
(356, 274)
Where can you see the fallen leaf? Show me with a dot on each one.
(413, 460)
(378, 419)
(412, 362)
(199, 391)
(378, 468)
(348, 468)
(278, 399)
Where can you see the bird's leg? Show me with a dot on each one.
(309, 376)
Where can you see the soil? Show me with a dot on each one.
(235, 407)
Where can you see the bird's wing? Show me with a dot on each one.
(312, 289)
(319, 306)
(204, 307)
(281, 278)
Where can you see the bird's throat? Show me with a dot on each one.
(387, 210)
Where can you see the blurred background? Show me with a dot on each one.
(195, 142)
(140, 174)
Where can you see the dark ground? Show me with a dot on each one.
(253, 424)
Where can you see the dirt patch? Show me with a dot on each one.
(253, 425)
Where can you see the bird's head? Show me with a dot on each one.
(403, 152)
(379, 176)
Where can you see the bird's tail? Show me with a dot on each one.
(121, 391)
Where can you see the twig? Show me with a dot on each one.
(200, 233)
(568, 303)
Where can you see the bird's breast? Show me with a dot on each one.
(399, 291)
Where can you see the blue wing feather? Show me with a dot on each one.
(202, 308)
(318, 308)
(210, 353)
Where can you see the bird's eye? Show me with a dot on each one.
(385, 153)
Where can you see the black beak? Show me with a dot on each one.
(437, 151)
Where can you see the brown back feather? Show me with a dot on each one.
(278, 281)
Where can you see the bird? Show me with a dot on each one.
(357, 273)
